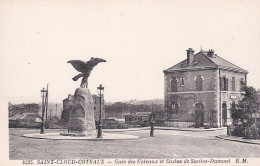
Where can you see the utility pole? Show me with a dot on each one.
(50, 115)
(56, 111)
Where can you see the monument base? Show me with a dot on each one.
(82, 122)
(78, 134)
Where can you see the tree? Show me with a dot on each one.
(241, 113)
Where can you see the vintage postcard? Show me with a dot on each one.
(130, 82)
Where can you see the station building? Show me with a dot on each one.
(199, 91)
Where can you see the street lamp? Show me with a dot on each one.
(100, 93)
(152, 124)
(43, 95)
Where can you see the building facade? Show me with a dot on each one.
(199, 91)
(68, 106)
(96, 100)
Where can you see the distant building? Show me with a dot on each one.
(110, 123)
(96, 100)
(68, 106)
(139, 118)
(24, 115)
(199, 91)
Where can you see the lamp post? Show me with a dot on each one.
(152, 124)
(43, 95)
(100, 93)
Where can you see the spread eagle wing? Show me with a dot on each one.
(79, 65)
(93, 62)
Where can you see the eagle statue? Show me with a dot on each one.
(85, 68)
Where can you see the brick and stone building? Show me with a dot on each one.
(199, 91)
(96, 100)
(68, 106)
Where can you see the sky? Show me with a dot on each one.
(138, 38)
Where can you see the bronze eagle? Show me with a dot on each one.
(85, 68)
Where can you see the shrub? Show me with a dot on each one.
(239, 131)
(252, 132)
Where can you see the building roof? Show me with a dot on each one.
(203, 61)
(24, 116)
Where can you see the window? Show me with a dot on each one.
(242, 84)
(182, 81)
(199, 83)
(233, 84)
(223, 83)
(174, 84)
(174, 108)
(199, 106)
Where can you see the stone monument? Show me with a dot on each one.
(81, 121)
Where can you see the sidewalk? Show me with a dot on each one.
(238, 139)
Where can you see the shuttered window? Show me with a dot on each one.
(224, 84)
(174, 84)
(199, 83)
(175, 108)
(233, 84)
(242, 84)
(221, 83)
(182, 81)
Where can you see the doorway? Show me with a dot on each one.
(224, 114)
(199, 115)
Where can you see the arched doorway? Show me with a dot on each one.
(199, 115)
(224, 114)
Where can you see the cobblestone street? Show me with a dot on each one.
(165, 144)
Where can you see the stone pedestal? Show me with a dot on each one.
(82, 122)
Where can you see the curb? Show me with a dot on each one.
(122, 130)
(237, 140)
(57, 136)
(156, 127)
(190, 129)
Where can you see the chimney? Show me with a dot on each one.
(211, 53)
(190, 56)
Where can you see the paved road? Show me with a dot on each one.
(165, 144)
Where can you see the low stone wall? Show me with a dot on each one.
(179, 124)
